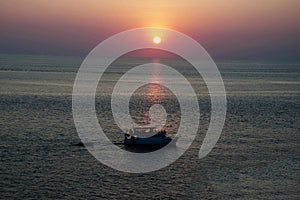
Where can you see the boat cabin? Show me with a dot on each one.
(146, 131)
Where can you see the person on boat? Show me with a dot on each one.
(163, 133)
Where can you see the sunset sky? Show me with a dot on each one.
(231, 29)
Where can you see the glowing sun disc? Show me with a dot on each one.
(156, 40)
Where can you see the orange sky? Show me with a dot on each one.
(229, 29)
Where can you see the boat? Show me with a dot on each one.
(146, 136)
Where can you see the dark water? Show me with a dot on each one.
(257, 155)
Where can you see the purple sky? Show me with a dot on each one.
(233, 29)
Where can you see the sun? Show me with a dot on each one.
(156, 39)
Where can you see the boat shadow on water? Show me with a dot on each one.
(142, 148)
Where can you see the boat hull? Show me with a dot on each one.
(147, 141)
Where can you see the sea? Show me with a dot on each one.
(256, 157)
